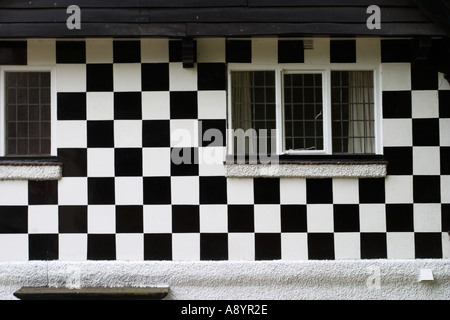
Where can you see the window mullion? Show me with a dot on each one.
(279, 86)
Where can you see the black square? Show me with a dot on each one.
(321, 246)
(291, 51)
(101, 247)
(175, 51)
(444, 104)
(373, 246)
(213, 190)
(428, 245)
(100, 134)
(266, 190)
(184, 162)
(319, 191)
(128, 162)
(293, 218)
(397, 50)
(343, 51)
(212, 76)
(71, 106)
(42, 192)
(158, 247)
(445, 218)
(239, 51)
(213, 246)
(100, 78)
(400, 160)
(267, 246)
(43, 247)
(185, 219)
(157, 190)
(127, 106)
(101, 191)
(72, 219)
(445, 160)
(13, 219)
(127, 51)
(424, 77)
(155, 77)
(426, 132)
(241, 218)
(70, 52)
(183, 105)
(13, 53)
(156, 133)
(399, 218)
(213, 133)
(346, 218)
(371, 190)
(129, 219)
(397, 104)
(74, 162)
(427, 189)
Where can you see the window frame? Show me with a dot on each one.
(280, 70)
(53, 112)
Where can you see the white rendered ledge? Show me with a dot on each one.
(307, 170)
(30, 171)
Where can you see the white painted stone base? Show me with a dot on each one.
(278, 280)
(30, 172)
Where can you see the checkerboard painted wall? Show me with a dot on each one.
(121, 197)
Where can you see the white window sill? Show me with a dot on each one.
(36, 170)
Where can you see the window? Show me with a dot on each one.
(317, 111)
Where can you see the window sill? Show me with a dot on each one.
(45, 169)
(313, 169)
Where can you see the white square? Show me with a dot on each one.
(211, 50)
(265, 50)
(102, 219)
(66, 137)
(100, 162)
(14, 193)
(443, 83)
(294, 246)
(71, 78)
(156, 105)
(128, 133)
(72, 191)
(43, 219)
(129, 190)
(154, 50)
(158, 219)
(372, 217)
(396, 76)
(72, 247)
(156, 162)
(399, 189)
(241, 246)
(41, 52)
(397, 132)
(184, 133)
(240, 191)
(267, 218)
(425, 104)
(445, 245)
(427, 218)
(186, 246)
(320, 54)
(212, 104)
(185, 190)
(14, 247)
(345, 191)
(444, 127)
(182, 79)
(445, 189)
(400, 245)
(130, 247)
(99, 51)
(368, 51)
(213, 219)
(426, 161)
(100, 105)
(320, 218)
(211, 161)
(347, 246)
(292, 191)
(127, 77)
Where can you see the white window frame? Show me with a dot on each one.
(326, 70)
(53, 97)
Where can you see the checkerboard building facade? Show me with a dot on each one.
(121, 197)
